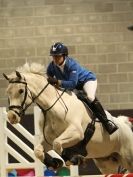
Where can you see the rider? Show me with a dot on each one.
(65, 72)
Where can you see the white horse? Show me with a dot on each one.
(64, 119)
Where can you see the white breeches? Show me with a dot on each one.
(90, 88)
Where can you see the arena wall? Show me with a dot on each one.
(94, 30)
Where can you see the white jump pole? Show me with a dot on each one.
(74, 170)
(3, 140)
(5, 148)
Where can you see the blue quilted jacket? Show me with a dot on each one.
(73, 76)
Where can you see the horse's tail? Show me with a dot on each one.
(126, 120)
(131, 121)
(123, 119)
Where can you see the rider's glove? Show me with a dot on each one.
(53, 81)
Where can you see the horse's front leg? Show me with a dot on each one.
(39, 139)
(71, 136)
(39, 151)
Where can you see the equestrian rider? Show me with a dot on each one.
(65, 72)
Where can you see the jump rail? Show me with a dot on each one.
(6, 149)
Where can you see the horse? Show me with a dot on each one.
(63, 119)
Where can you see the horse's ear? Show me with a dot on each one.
(18, 74)
(6, 77)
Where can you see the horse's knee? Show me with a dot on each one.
(57, 146)
(39, 152)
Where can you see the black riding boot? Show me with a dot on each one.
(99, 112)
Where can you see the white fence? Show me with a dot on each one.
(6, 149)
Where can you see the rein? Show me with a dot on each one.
(22, 110)
(45, 113)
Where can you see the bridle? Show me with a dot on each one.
(19, 107)
(23, 107)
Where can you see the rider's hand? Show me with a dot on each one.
(53, 81)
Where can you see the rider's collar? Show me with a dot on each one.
(61, 66)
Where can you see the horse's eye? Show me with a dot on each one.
(21, 91)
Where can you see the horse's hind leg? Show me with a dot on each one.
(127, 155)
(107, 165)
(127, 162)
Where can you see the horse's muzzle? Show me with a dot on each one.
(13, 117)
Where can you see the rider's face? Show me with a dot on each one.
(58, 60)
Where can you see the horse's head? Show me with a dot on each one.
(17, 96)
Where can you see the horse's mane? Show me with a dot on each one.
(35, 68)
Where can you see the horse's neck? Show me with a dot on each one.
(48, 97)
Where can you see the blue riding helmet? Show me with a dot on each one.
(58, 49)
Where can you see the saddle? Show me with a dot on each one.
(81, 95)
